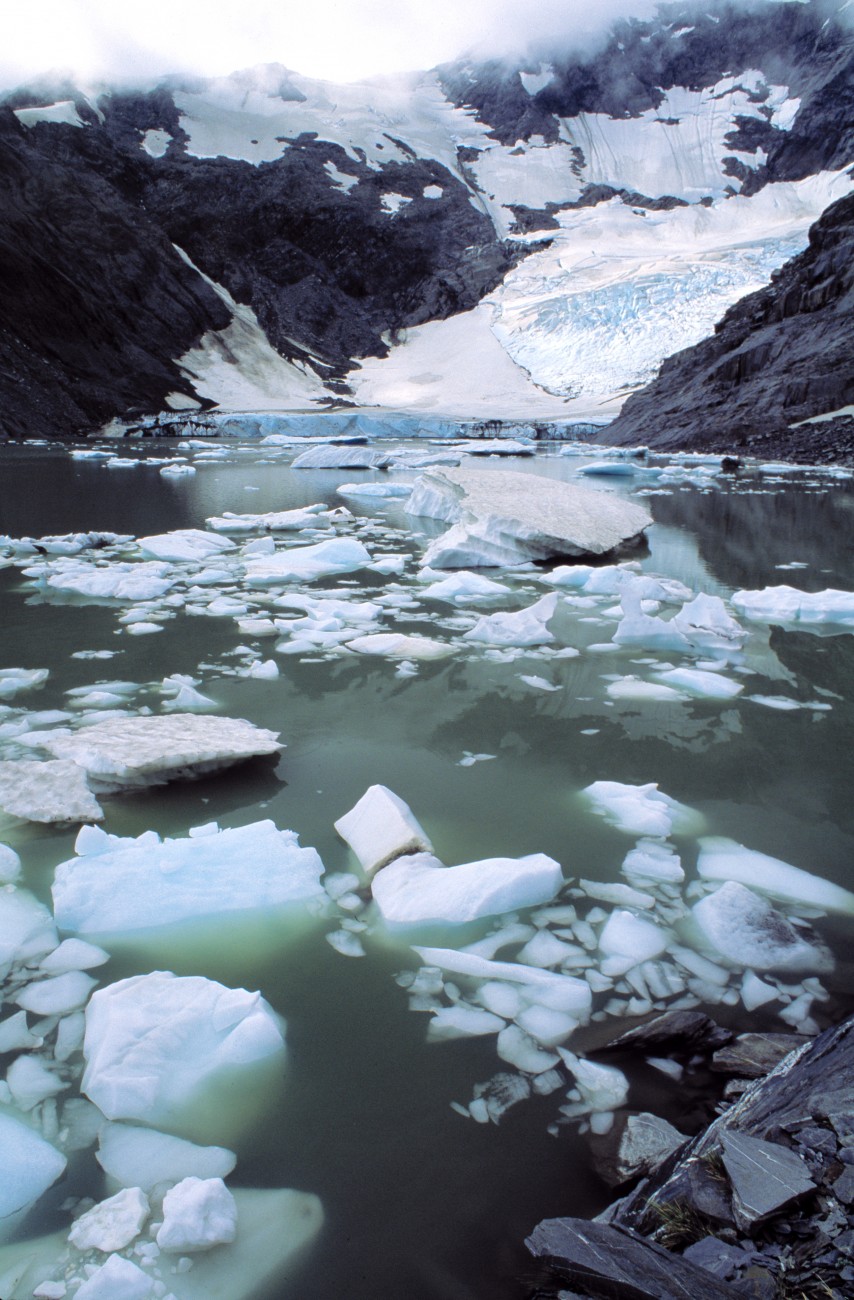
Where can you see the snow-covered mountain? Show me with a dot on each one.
(484, 240)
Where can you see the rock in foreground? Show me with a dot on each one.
(500, 517)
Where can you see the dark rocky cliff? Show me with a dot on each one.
(778, 357)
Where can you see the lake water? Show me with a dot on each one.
(418, 1201)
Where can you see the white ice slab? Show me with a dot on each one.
(525, 627)
(30, 1166)
(142, 1157)
(789, 605)
(56, 791)
(184, 545)
(158, 1045)
(307, 563)
(418, 890)
(545, 988)
(123, 752)
(723, 859)
(396, 645)
(748, 933)
(381, 827)
(627, 935)
(642, 809)
(141, 885)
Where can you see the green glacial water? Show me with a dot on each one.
(418, 1201)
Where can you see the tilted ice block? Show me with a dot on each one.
(156, 1044)
(789, 605)
(30, 1166)
(329, 456)
(723, 859)
(707, 625)
(748, 933)
(642, 809)
(381, 827)
(705, 685)
(27, 930)
(142, 1157)
(418, 890)
(523, 628)
(462, 1022)
(546, 989)
(307, 563)
(53, 791)
(184, 545)
(525, 516)
(123, 752)
(139, 885)
(651, 861)
(646, 630)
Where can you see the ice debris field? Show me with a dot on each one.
(453, 561)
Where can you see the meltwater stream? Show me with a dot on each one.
(491, 748)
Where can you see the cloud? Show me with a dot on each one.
(342, 40)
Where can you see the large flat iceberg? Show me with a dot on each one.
(129, 885)
(120, 753)
(504, 517)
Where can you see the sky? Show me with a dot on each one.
(341, 40)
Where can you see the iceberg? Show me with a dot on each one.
(30, 1167)
(723, 859)
(504, 517)
(524, 628)
(419, 890)
(642, 809)
(707, 625)
(142, 884)
(330, 456)
(381, 827)
(121, 753)
(307, 563)
(749, 934)
(142, 1157)
(158, 1047)
(789, 605)
(47, 792)
(185, 545)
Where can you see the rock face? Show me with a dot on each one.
(503, 517)
(778, 357)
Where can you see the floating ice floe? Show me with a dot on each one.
(652, 862)
(284, 521)
(30, 1167)
(15, 680)
(465, 588)
(118, 886)
(56, 791)
(27, 930)
(158, 1047)
(723, 859)
(708, 626)
(185, 545)
(633, 688)
(700, 683)
(642, 809)
(377, 491)
(789, 605)
(144, 580)
(329, 456)
(419, 890)
(398, 646)
(502, 517)
(381, 827)
(121, 753)
(749, 934)
(143, 1158)
(525, 627)
(307, 563)
(556, 992)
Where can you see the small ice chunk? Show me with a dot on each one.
(633, 688)
(380, 828)
(626, 935)
(520, 1049)
(418, 890)
(465, 588)
(642, 809)
(30, 1166)
(545, 949)
(602, 1087)
(653, 863)
(69, 1035)
(755, 992)
(73, 954)
(396, 645)
(142, 1157)
(605, 892)
(705, 685)
(462, 1022)
(112, 1224)
(789, 605)
(56, 791)
(349, 945)
(547, 1027)
(538, 683)
(526, 627)
(15, 680)
(707, 625)
(198, 1213)
(547, 989)
(184, 545)
(27, 930)
(14, 1034)
(747, 932)
(500, 998)
(30, 1082)
(723, 859)
(307, 563)
(57, 996)
(10, 865)
(117, 1277)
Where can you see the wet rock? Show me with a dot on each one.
(604, 1261)
(679, 1030)
(844, 1185)
(718, 1257)
(752, 1056)
(635, 1147)
(765, 1177)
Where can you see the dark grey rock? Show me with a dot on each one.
(845, 1242)
(718, 1257)
(765, 1177)
(820, 1141)
(843, 1188)
(750, 1056)
(636, 1145)
(679, 1030)
(608, 1262)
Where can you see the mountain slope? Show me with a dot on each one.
(485, 240)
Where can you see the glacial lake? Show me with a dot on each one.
(418, 1200)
